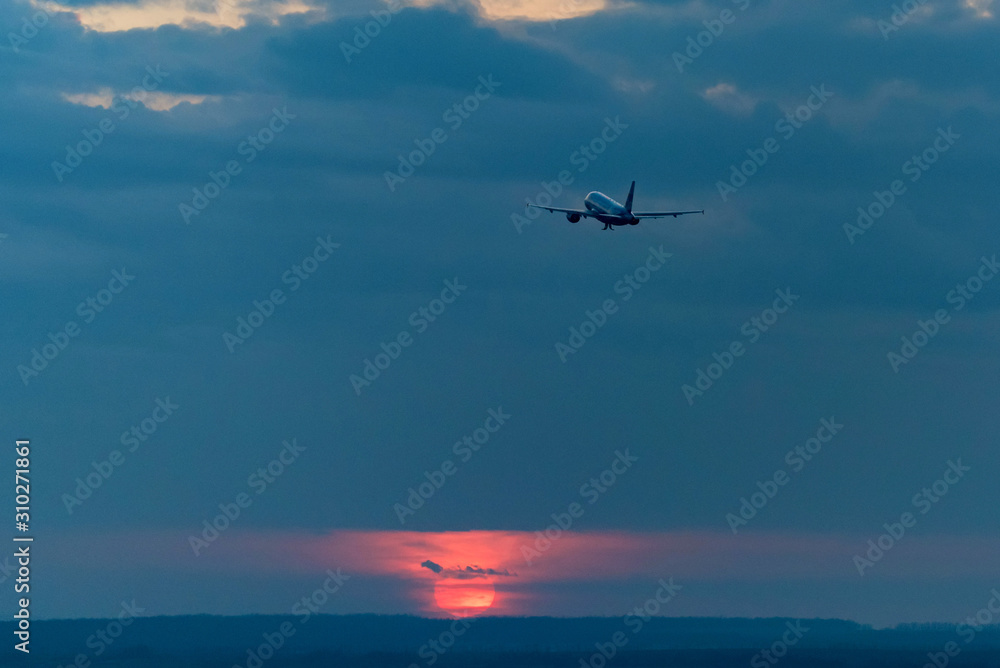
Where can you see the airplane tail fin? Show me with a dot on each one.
(628, 200)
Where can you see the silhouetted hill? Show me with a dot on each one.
(374, 640)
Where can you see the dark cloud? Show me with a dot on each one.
(420, 50)
(466, 573)
(431, 565)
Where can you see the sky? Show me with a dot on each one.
(276, 313)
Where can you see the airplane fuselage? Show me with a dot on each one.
(607, 210)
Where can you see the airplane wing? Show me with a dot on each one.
(662, 214)
(581, 212)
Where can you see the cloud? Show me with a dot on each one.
(476, 570)
(468, 572)
(983, 9)
(728, 98)
(109, 17)
(153, 100)
(537, 10)
(431, 565)
(421, 49)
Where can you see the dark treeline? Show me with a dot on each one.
(705, 658)
(399, 641)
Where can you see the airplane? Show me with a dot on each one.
(601, 207)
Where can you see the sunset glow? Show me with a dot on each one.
(464, 598)
(525, 10)
(460, 573)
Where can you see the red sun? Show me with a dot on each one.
(464, 598)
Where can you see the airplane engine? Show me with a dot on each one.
(573, 217)
(634, 222)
